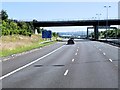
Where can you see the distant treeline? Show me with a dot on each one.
(115, 33)
(10, 26)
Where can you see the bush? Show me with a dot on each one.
(15, 31)
(5, 32)
(20, 32)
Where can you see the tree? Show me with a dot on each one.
(22, 25)
(33, 22)
(118, 33)
(31, 27)
(0, 27)
(13, 25)
(4, 15)
(38, 30)
(54, 34)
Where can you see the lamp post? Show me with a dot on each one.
(107, 19)
(98, 19)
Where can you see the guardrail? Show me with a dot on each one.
(46, 41)
(115, 42)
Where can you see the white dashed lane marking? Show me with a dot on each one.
(66, 72)
(99, 49)
(73, 60)
(104, 54)
(110, 60)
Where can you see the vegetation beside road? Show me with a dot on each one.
(17, 44)
(112, 34)
(18, 27)
(19, 36)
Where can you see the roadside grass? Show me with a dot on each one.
(19, 46)
(23, 49)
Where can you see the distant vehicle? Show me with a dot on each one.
(70, 41)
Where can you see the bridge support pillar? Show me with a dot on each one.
(96, 36)
(87, 33)
(36, 32)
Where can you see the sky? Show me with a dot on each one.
(58, 11)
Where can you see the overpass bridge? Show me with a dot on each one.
(94, 23)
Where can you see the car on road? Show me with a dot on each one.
(70, 41)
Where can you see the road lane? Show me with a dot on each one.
(90, 69)
(111, 52)
(19, 61)
(49, 65)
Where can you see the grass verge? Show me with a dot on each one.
(23, 49)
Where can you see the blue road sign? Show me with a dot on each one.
(49, 34)
(46, 34)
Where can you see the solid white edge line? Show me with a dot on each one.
(66, 72)
(113, 46)
(110, 60)
(73, 60)
(29, 64)
(109, 45)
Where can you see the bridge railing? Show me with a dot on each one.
(75, 19)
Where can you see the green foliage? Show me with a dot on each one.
(10, 26)
(115, 33)
(23, 48)
(5, 32)
(118, 33)
(4, 15)
(13, 25)
(111, 33)
(55, 34)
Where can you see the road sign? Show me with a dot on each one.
(49, 34)
(46, 34)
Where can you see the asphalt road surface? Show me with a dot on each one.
(86, 64)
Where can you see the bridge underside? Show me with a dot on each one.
(93, 23)
(76, 23)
